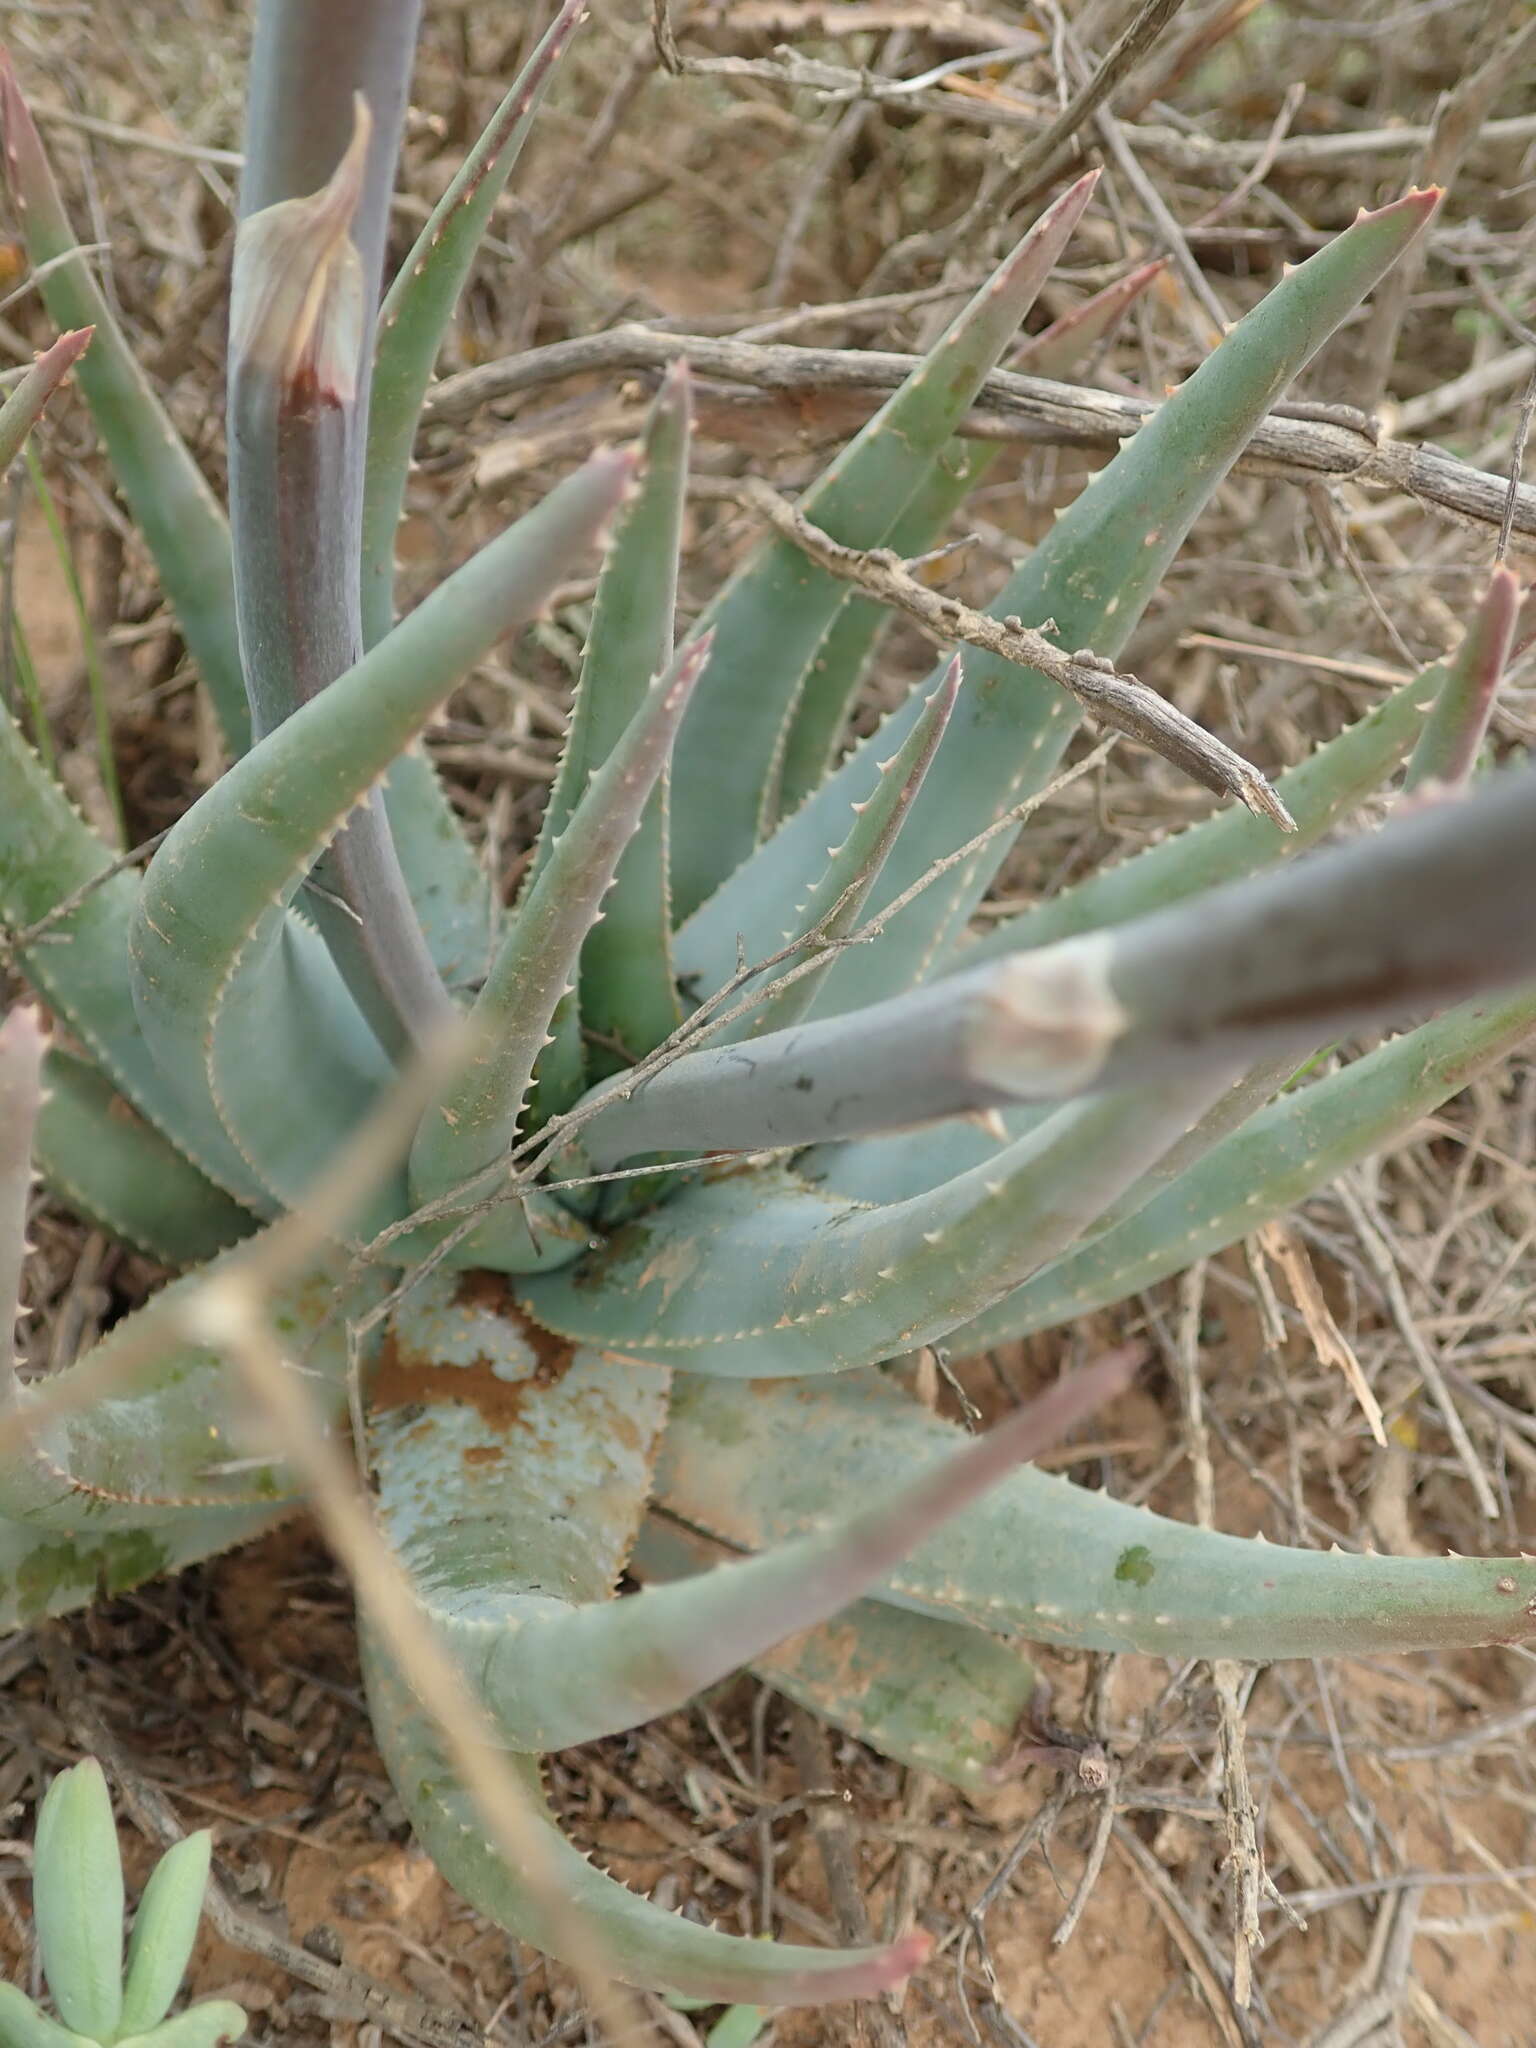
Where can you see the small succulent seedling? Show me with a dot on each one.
(750, 1112)
(77, 1906)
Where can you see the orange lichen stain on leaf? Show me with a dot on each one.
(404, 1379)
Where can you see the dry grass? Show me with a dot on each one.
(1393, 1802)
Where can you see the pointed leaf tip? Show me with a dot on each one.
(296, 300)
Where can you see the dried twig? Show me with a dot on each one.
(1010, 407)
(1115, 699)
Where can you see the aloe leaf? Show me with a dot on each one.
(1448, 747)
(46, 1571)
(1042, 1559)
(208, 2024)
(78, 963)
(1092, 575)
(504, 1460)
(419, 305)
(1297, 1145)
(553, 1675)
(628, 993)
(475, 1120)
(23, 1044)
(937, 1695)
(97, 1154)
(24, 408)
(782, 1280)
(1280, 961)
(841, 662)
(205, 908)
(164, 1930)
(176, 1441)
(166, 492)
(626, 996)
(771, 618)
(77, 1900)
(24, 2025)
(643, 1943)
(831, 910)
(1339, 775)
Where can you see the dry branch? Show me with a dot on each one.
(1304, 447)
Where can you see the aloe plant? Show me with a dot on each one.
(77, 1907)
(631, 1297)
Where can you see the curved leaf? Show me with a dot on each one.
(1051, 1562)
(644, 1943)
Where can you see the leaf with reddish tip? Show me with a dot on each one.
(842, 660)
(1093, 575)
(24, 408)
(22, 1045)
(1448, 748)
(772, 617)
(476, 1119)
(166, 492)
(643, 1943)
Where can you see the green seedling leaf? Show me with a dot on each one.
(24, 2025)
(1042, 1559)
(166, 492)
(215, 2021)
(642, 1942)
(1092, 576)
(772, 617)
(77, 1901)
(419, 305)
(164, 1930)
